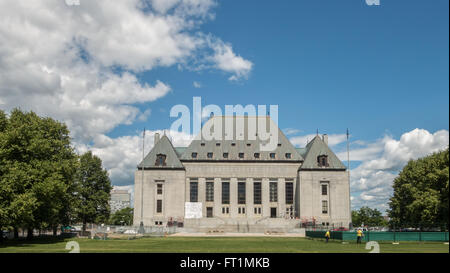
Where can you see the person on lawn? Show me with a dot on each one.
(327, 236)
(359, 235)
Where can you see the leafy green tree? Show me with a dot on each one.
(122, 217)
(37, 169)
(368, 217)
(421, 193)
(92, 191)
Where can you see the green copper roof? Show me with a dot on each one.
(301, 151)
(317, 147)
(163, 146)
(284, 150)
(180, 150)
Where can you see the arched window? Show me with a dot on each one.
(160, 160)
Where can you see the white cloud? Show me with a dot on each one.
(371, 181)
(197, 84)
(225, 59)
(121, 155)
(333, 139)
(62, 61)
(291, 131)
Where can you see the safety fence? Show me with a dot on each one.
(382, 236)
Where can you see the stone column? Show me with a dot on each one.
(233, 198)
(265, 197)
(217, 197)
(249, 198)
(281, 197)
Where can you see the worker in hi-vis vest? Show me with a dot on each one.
(327, 235)
(359, 235)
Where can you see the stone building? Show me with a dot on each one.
(233, 185)
(120, 199)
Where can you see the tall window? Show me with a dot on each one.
(324, 206)
(158, 206)
(257, 192)
(324, 189)
(289, 192)
(194, 190)
(159, 188)
(209, 191)
(226, 192)
(241, 192)
(160, 160)
(273, 191)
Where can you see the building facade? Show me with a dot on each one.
(232, 181)
(120, 199)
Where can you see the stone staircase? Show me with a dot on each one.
(247, 225)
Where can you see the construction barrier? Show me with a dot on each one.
(382, 236)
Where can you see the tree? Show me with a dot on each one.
(36, 171)
(420, 196)
(92, 190)
(122, 217)
(368, 217)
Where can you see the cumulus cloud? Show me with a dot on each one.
(79, 63)
(371, 181)
(225, 59)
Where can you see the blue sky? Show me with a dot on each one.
(109, 69)
(327, 64)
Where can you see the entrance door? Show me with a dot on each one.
(273, 212)
(209, 212)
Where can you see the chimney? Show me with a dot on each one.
(325, 138)
(156, 138)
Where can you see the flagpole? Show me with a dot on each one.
(348, 172)
(141, 225)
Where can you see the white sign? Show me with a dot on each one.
(192, 210)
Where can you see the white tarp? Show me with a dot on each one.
(192, 210)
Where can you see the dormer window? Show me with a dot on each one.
(272, 155)
(249, 144)
(209, 155)
(194, 155)
(233, 144)
(279, 144)
(288, 155)
(241, 155)
(322, 161)
(225, 155)
(160, 160)
(202, 144)
(217, 144)
(256, 155)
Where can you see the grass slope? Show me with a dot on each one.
(215, 245)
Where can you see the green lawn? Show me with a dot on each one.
(216, 244)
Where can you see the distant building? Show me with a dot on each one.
(119, 199)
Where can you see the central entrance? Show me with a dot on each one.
(273, 212)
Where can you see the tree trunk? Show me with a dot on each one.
(55, 230)
(1, 235)
(84, 226)
(29, 233)
(16, 233)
